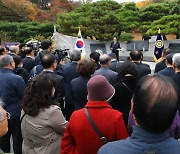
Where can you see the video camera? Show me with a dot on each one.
(61, 54)
(35, 45)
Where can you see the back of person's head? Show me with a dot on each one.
(95, 56)
(128, 68)
(28, 50)
(14, 49)
(42, 53)
(99, 89)
(135, 55)
(46, 44)
(113, 56)
(48, 60)
(2, 50)
(5, 60)
(75, 55)
(86, 67)
(166, 51)
(22, 45)
(176, 60)
(17, 60)
(104, 59)
(155, 103)
(169, 58)
(39, 94)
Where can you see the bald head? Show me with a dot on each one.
(155, 103)
(104, 59)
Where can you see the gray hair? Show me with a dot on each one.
(75, 55)
(104, 59)
(13, 48)
(176, 60)
(5, 60)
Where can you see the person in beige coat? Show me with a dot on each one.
(42, 122)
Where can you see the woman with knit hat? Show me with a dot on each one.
(87, 132)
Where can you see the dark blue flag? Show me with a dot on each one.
(159, 46)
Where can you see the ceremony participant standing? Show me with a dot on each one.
(115, 45)
(49, 64)
(135, 57)
(115, 65)
(43, 123)
(70, 73)
(28, 61)
(11, 92)
(19, 70)
(110, 75)
(154, 114)
(124, 90)
(162, 65)
(80, 137)
(46, 47)
(3, 51)
(95, 56)
(85, 68)
(168, 71)
(14, 50)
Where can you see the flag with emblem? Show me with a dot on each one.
(159, 46)
(79, 45)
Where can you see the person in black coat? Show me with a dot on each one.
(162, 65)
(168, 71)
(19, 70)
(85, 68)
(121, 100)
(49, 63)
(28, 61)
(70, 73)
(115, 45)
(135, 57)
(95, 56)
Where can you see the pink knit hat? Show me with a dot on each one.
(99, 89)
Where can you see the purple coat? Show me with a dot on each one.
(174, 130)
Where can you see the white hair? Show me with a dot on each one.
(176, 60)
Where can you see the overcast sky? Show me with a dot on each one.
(121, 1)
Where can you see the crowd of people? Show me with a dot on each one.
(87, 106)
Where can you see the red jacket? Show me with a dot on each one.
(80, 137)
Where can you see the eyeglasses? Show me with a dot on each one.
(8, 116)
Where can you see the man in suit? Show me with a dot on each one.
(46, 46)
(28, 61)
(70, 73)
(49, 64)
(115, 65)
(135, 57)
(115, 45)
(168, 71)
(110, 75)
(162, 65)
(12, 88)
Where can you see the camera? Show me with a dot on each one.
(61, 54)
(35, 45)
